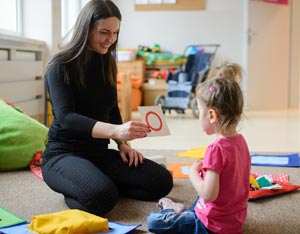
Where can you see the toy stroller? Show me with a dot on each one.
(182, 83)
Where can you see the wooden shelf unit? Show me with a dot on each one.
(135, 67)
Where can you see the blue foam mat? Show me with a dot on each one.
(115, 228)
(278, 160)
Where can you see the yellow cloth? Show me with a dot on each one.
(193, 153)
(68, 222)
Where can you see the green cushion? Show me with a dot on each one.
(20, 137)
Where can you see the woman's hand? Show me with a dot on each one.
(132, 130)
(130, 156)
(126, 131)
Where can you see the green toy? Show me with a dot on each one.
(20, 137)
(151, 57)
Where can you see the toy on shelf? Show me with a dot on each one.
(124, 54)
(162, 74)
(156, 56)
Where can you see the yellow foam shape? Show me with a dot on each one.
(193, 152)
(71, 221)
(254, 182)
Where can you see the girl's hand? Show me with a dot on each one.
(196, 167)
(208, 187)
(130, 156)
(132, 130)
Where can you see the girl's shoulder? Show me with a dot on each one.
(228, 143)
(237, 138)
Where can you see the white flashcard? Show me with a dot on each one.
(154, 118)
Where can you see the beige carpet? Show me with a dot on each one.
(24, 194)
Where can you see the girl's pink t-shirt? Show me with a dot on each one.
(230, 158)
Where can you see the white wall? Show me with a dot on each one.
(41, 20)
(221, 22)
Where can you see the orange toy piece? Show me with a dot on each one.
(136, 93)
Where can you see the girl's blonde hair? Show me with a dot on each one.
(230, 70)
(222, 92)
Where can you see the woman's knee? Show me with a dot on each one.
(168, 183)
(100, 200)
(164, 183)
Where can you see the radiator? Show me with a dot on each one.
(22, 63)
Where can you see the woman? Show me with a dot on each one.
(81, 81)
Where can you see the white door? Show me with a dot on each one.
(295, 55)
(268, 56)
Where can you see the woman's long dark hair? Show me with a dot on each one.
(76, 53)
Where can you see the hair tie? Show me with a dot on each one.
(213, 89)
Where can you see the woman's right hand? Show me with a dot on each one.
(127, 131)
(132, 130)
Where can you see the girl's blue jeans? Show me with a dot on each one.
(169, 222)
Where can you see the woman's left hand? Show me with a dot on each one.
(130, 156)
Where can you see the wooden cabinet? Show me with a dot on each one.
(125, 97)
(135, 67)
(129, 96)
(152, 90)
(149, 90)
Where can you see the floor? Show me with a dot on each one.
(265, 131)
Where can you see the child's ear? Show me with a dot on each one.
(213, 116)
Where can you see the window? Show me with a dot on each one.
(10, 16)
(70, 10)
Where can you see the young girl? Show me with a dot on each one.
(221, 180)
